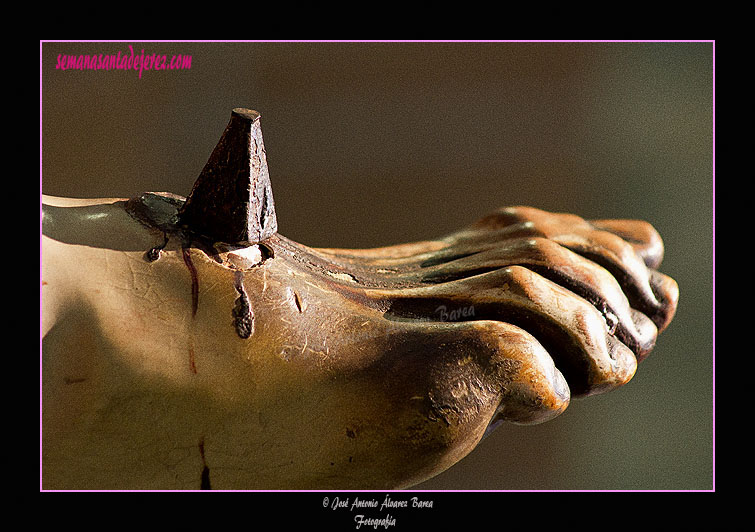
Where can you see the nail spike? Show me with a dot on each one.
(232, 199)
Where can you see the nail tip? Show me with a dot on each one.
(247, 114)
(232, 200)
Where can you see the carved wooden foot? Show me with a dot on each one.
(187, 346)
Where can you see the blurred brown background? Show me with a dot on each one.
(371, 144)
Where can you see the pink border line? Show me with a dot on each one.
(407, 41)
(712, 41)
(714, 264)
